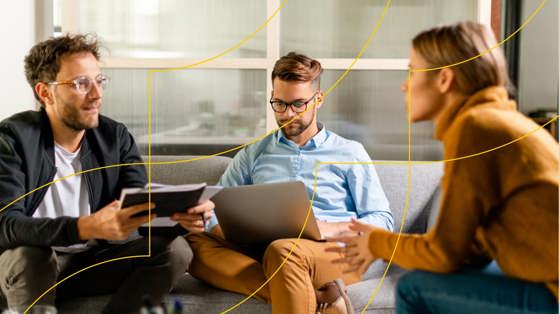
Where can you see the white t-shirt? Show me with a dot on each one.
(68, 197)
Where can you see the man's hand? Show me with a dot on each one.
(332, 229)
(113, 223)
(354, 248)
(192, 220)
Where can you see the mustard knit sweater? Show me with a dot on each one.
(502, 205)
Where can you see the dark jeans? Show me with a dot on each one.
(30, 271)
(471, 291)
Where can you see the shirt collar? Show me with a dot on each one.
(319, 138)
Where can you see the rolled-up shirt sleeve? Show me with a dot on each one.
(237, 173)
(371, 204)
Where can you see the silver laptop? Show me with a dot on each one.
(261, 213)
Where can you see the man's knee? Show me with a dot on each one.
(175, 253)
(196, 237)
(30, 263)
(182, 253)
(204, 241)
(28, 272)
(280, 250)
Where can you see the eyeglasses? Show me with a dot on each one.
(83, 84)
(297, 106)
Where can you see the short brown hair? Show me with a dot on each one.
(43, 61)
(295, 67)
(450, 44)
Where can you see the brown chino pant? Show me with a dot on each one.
(292, 287)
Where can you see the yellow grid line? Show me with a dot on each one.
(409, 162)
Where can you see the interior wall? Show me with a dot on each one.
(17, 30)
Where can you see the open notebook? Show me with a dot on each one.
(168, 199)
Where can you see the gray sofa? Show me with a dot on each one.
(198, 297)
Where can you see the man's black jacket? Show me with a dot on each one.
(27, 163)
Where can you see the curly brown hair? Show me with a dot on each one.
(297, 67)
(43, 61)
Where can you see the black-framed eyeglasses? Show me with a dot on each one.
(83, 84)
(297, 106)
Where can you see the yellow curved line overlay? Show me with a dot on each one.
(369, 39)
(243, 41)
(528, 20)
(409, 162)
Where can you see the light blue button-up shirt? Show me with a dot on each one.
(342, 191)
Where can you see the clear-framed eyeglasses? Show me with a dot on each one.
(83, 84)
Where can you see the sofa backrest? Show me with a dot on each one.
(187, 169)
(425, 179)
(423, 193)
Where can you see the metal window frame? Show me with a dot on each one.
(70, 23)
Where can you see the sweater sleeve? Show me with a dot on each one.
(443, 249)
(449, 245)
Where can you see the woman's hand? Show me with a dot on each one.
(353, 248)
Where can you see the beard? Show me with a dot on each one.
(77, 120)
(295, 128)
(298, 126)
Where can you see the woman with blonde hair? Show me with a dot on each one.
(501, 205)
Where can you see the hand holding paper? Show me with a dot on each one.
(195, 217)
(188, 205)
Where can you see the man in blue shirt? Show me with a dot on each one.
(343, 192)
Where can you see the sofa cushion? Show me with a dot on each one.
(425, 179)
